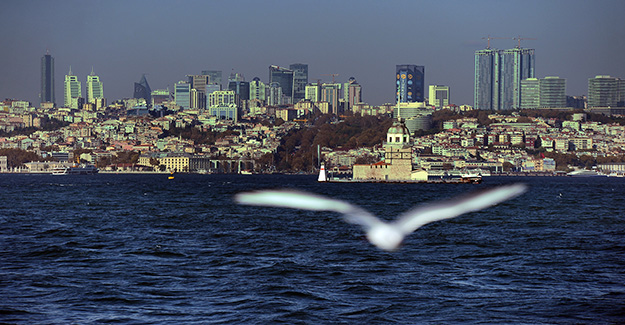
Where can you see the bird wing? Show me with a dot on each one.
(307, 201)
(414, 219)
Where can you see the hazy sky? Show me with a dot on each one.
(167, 40)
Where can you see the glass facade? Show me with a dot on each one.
(284, 78)
(47, 79)
(142, 90)
(182, 94)
(94, 88)
(605, 91)
(410, 83)
(552, 92)
(498, 75)
(73, 90)
(300, 80)
(530, 93)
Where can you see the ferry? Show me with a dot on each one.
(82, 169)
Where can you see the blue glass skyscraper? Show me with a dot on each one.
(47, 79)
(410, 83)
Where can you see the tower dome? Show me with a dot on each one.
(398, 134)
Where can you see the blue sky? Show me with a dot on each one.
(167, 40)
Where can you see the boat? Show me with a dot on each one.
(585, 173)
(471, 178)
(82, 169)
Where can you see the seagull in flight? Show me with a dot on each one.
(387, 236)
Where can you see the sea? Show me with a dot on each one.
(145, 249)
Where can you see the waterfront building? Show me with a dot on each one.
(606, 91)
(300, 80)
(47, 79)
(397, 163)
(438, 96)
(182, 94)
(73, 91)
(142, 90)
(95, 89)
(410, 83)
(284, 78)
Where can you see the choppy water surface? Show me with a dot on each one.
(144, 249)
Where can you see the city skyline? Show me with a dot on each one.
(366, 41)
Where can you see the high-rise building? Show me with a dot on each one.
(95, 89)
(486, 86)
(552, 92)
(237, 83)
(313, 92)
(47, 79)
(215, 76)
(438, 96)
(284, 78)
(330, 94)
(606, 91)
(275, 97)
(258, 90)
(352, 93)
(73, 90)
(516, 64)
(223, 105)
(142, 90)
(197, 93)
(160, 97)
(182, 94)
(498, 75)
(410, 83)
(530, 93)
(300, 80)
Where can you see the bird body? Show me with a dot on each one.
(387, 236)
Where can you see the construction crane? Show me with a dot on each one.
(490, 38)
(331, 74)
(522, 38)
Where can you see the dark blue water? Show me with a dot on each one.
(143, 249)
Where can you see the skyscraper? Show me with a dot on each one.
(142, 90)
(498, 75)
(47, 79)
(73, 91)
(516, 64)
(300, 80)
(237, 83)
(486, 86)
(439, 96)
(198, 90)
(606, 91)
(284, 78)
(215, 76)
(352, 92)
(410, 83)
(94, 88)
(182, 94)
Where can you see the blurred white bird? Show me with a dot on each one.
(387, 236)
